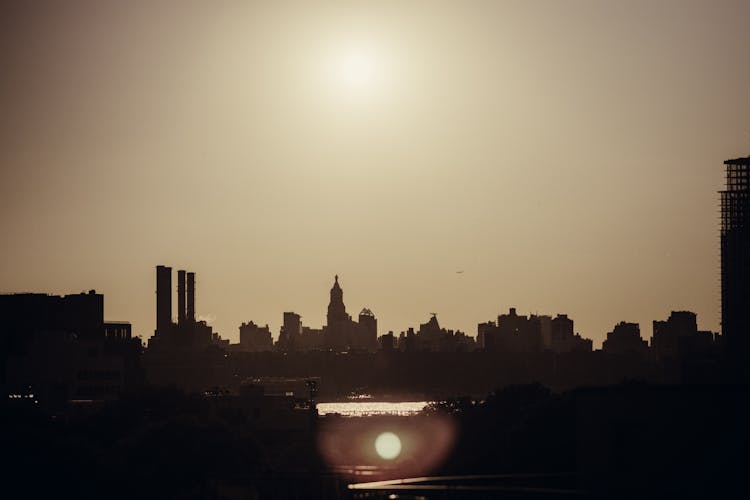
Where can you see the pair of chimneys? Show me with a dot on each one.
(185, 298)
(185, 313)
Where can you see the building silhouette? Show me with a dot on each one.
(186, 333)
(311, 339)
(341, 332)
(338, 322)
(254, 338)
(55, 350)
(678, 338)
(513, 333)
(190, 292)
(367, 338)
(735, 260)
(431, 337)
(562, 337)
(181, 314)
(163, 300)
(291, 329)
(387, 342)
(625, 339)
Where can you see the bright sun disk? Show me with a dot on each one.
(356, 69)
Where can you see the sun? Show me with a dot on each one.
(356, 73)
(356, 68)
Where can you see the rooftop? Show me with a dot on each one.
(738, 161)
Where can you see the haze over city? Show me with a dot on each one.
(445, 157)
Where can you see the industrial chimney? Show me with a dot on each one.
(163, 299)
(180, 297)
(191, 297)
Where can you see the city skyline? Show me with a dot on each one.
(186, 313)
(378, 249)
(565, 158)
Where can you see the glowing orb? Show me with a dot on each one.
(388, 445)
(356, 69)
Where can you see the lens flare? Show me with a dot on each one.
(385, 447)
(388, 445)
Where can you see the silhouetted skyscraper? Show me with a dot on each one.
(290, 332)
(336, 307)
(163, 299)
(368, 334)
(337, 331)
(735, 259)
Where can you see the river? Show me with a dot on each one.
(371, 408)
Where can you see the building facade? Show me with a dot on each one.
(625, 339)
(735, 260)
(255, 338)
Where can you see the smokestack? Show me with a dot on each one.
(180, 297)
(191, 297)
(163, 299)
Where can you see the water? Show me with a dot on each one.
(371, 408)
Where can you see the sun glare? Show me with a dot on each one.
(356, 72)
(356, 68)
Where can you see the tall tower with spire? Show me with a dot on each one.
(336, 307)
(338, 330)
(342, 333)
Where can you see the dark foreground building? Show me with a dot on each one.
(57, 351)
(735, 259)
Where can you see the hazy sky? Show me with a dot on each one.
(564, 154)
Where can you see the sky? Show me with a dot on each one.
(457, 158)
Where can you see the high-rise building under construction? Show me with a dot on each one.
(735, 260)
